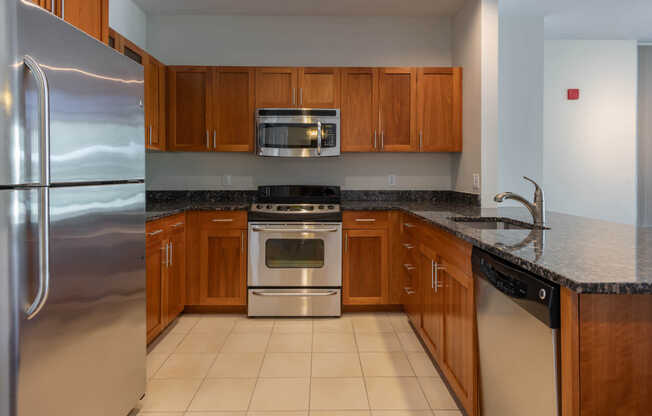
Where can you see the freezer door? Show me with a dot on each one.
(20, 254)
(95, 102)
(83, 352)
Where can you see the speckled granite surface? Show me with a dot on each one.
(585, 255)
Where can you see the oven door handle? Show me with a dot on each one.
(301, 294)
(295, 230)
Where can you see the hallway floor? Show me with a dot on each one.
(367, 364)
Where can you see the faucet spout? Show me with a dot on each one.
(536, 208)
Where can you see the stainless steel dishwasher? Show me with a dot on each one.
(518, 337)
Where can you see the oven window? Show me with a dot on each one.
(294, 253)
(296, 135)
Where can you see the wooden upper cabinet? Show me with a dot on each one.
(276, 87)
(151, 102)
(116, 40)
(233, 109)
(223, 259)
(189, 100)
(91, 16)
(365, 267)
(319, 88)
(439, 101)
(397, 103)
(359, 110)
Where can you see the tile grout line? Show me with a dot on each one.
(364, 380)
(209, 368)
(260, 369)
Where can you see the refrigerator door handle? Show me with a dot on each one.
(44, 255)
(44, 119)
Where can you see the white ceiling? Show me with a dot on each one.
(303, 7)
(588, 19)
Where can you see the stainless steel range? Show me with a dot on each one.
(295, 252)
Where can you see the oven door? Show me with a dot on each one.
(297, 136)
(295, 255)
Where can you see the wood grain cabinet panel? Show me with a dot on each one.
(223, 258)
(176, 278)
(233, 117)
(432, 320)
(397, 102)
(439, 102)
(359, 110)
(365, 267)
(189, 101)
(155, 271)
(276, 87)
(90, 16)
(319, 87)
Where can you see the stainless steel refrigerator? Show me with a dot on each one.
(72, 223)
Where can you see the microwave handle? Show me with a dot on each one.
(319, 138)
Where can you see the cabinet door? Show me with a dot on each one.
(359, 110)
(91, 16)
(176, 278)
(365, 267)
(151, 103)
(439, 103)
(223, 275)
(397, 103)
(189, 101)
(433, 300)
(459, 349)
(233, 118)
(319, 87)
(156, 264)
(276, 87)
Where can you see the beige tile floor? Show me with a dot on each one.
(368, 364)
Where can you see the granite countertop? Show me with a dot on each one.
(585, 255)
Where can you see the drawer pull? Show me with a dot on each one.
(178, 224)
(155, 232)
(365, 219)
(409, 267)
(408, 246)
(409, 225)
(222, 220)
(300, 294)
(409, 291)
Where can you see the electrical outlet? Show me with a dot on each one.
(227, 180)
(392, 179)
(476, 181)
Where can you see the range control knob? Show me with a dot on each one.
(331, 207)
(542, 294)
(268, 207)
(321, 207)
(259, 206)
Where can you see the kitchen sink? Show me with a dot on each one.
(496, 223)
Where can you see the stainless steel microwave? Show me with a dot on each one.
(297, 132)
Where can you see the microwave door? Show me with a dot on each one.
(289, 139)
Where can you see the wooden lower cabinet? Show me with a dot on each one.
(165, 253)
(155, 269)
(365, 267)
(223, 267)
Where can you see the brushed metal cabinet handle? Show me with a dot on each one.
(301, 96)
(170, 255)
(382, 140)
(375, 139)
(294, 96)
(63, 9)
(409, 267)
(408, 246)
(214, 139)
(208, 140)
(222, 220)
(421, 140)
(155, 232)
(365, 219)
(432, 272)
(178, 224)
(150, 134)
(409, 225)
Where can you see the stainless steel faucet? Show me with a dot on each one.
(536, 208)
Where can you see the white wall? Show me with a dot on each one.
(129, 20)
(352, 171)
(467, 53)
(589, 151)
(299, 41)
(645, 136)
(520, 124)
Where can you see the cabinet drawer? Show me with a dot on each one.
(365, 219)
(223, 219)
